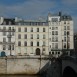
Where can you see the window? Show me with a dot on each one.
(4, 39)
(31, 29)
(64, 22)
(12, 47)
(64, 27)
(68, 27)
(25, 43)
(19, 36)
(25, 29)
(56, 39)
(56, 45)
(43, 43)
(43, 29)
(4, 28)
(68, 45)
(4, 47)
(44, 36)
(52, 45)
(31, 43)
(31, 36)
(19, 29)
(52, 39)
(25, 36)
(64, 45)
(68, 39)
(37, 43)
(52, 28)
(4, 33)
(56, 32)
(9, 47)
(43, 49)
(64, 32)
(52, 32)
(64, 39)
(9, 28)
(68, 33)
(37, 29)
(19, 43)
(37, 36)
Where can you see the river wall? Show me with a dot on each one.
(23, 65)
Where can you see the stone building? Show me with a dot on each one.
(37, 37)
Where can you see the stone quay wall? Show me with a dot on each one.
(23, 64)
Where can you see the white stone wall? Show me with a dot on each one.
(31, 49)
(6, 37)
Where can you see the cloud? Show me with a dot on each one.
(70, 2)
(30, 8)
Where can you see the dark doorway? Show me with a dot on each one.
(3, 54)
(37, 51)
(69, 72)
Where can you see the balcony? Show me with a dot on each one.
(7, 42)
(7, 30)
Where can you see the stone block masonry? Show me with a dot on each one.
(23, 65)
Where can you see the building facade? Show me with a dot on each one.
(37, 37)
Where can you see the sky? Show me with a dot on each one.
(33, 9)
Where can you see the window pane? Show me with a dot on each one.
(19, 43)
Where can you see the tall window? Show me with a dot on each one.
(68, 27)
(64, 27)
(31, 43)
(56, 39)
(43, 29)
(31, 36)
(64, 22)
(12, 33)
(19, 43)
(56, 32)
(64, 45)
(4, 47)
(68, 33)
(37, 29)
(31, 29)
(37, 43)
(25, 43)
(4, 33)
(25, 36)
(9, 47)
(12, 47)
(9, 28)
(68, 39)
(64, 39)
(4, 39)
(56, 45)
(19, 36)
(37, 36)
(52, 39)
(52, 45)
(19, 29)
(25, 29)
(44, 36)
(52, 32)
(64, 32)
(43, 43)
(4, 28)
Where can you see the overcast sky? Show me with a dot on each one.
(31, 9)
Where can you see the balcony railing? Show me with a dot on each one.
(7, 30)
(7, 42)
